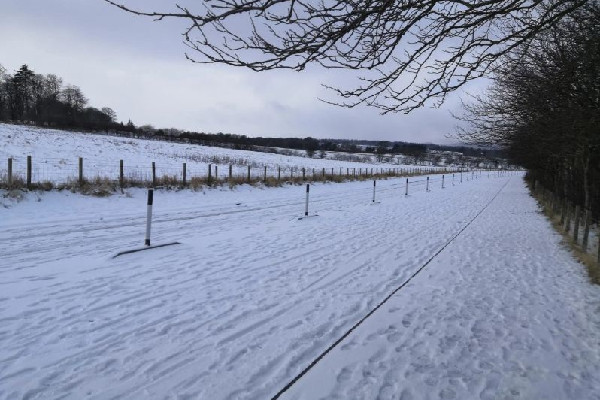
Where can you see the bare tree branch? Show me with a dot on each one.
(408, 53)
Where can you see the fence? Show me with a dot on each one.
(573, 219)
(25, 172)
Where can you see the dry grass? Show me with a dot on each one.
(587, 259)
(102, 186)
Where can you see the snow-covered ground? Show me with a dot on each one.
(56, 153)
(253, 295)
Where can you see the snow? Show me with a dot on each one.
(253, 295)
(56, 153)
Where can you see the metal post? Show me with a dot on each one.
(427, 187)
(306, 205)
(374, 185)
(443, 177)
(184, 174)
(149, 216)
(406, 191)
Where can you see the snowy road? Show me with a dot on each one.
(253, 295)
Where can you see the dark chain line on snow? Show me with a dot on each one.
(385, 300)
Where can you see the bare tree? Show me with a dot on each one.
(410, 52)
(544, 107)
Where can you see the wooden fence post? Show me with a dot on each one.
(576, 223)
(121, 179)
(303, 174)
(567, 226)
(230, 174)
(216, 174)
(80, 171)
(265, 174)
(278, 173)
(153, 174)
(184, 174)
(28, 172)
(586, 230)
(323, 173)
(209, 174)
(249, 176)
(10, 179)
(598, 248)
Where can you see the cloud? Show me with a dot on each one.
(137, 68)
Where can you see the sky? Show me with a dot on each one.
(137, 67)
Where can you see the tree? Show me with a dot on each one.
(544, 106)
(21, 93)
(110, 113)
(409, 52)
(73, 97)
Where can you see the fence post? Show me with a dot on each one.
(406, 190)
(10, 172)
(443, 177)
(278, 173)
(323, 173)
(374, 186)
(249, 174)
(121, 178)
(586, 230)
(567, 226)
(209, 179)
(230, 174)
(28, 172)
(460, 176)
(306, 204)
(265, 174)
(153, 174)
(80, 171)
(216, 174)
(576, 223)
(149, 216)
(427, 187)
(184, 174)
(303, 174)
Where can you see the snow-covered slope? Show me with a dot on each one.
(55, 156)
(253, 295)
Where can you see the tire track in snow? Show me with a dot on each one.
(385, 300)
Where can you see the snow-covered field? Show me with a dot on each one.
(253, 295)
(55, 156)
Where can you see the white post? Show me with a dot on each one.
(374, 185)
(406, 191)
(306, 206)
(427, 187)
(149, 216)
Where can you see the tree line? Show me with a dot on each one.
(44, 100)
(27, 97)
(544, 107)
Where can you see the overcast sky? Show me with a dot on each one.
(138, 68)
